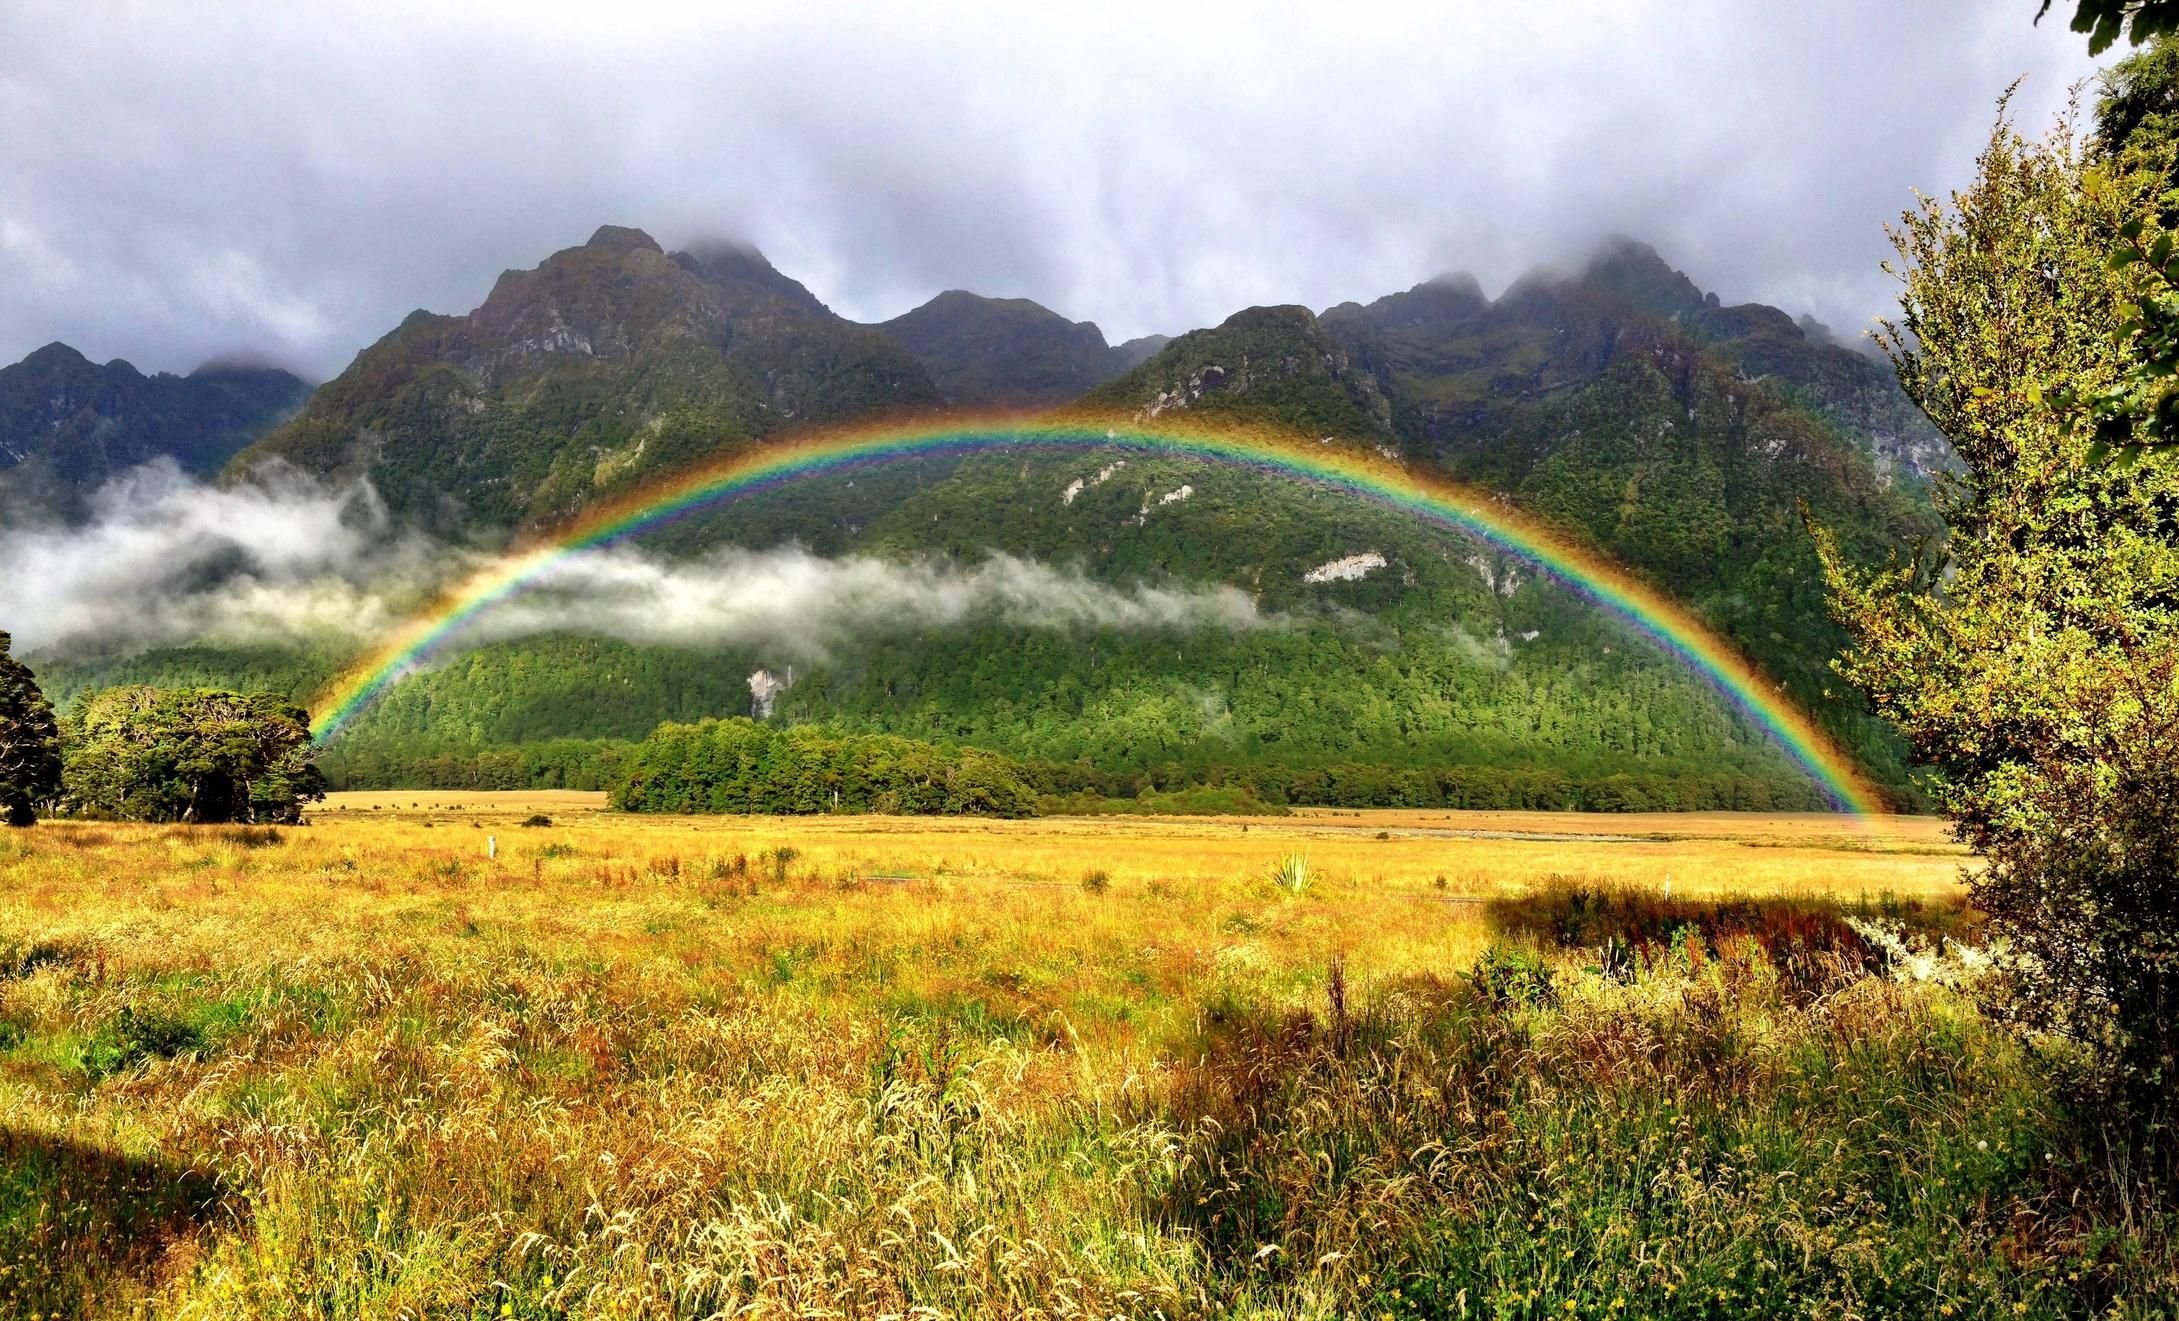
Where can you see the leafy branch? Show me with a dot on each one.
(2141, 407)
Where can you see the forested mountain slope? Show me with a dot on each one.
(606, 364)
(1681, 437)
(69, 425)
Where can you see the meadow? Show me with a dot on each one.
(418, 1058)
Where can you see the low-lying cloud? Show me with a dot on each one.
(794, 602)
(166, 561)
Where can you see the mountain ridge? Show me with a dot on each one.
(604, 363)
(68, 425)
(1616, 403)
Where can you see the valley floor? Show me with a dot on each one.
(1478, 853)
(417, 1058)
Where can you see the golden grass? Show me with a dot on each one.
(440, 1062)
(1479, 853)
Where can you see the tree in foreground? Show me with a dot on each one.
(2105, 21)
(2033, 660)
(190, 754)
(30, 745)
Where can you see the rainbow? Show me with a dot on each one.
(1337, 466)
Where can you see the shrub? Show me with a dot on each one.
(1509, 976)
(136, 1035)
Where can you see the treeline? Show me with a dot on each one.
(1076, 788)
(1529, 788)
(738, 765)
(139, 753)
(560, 763)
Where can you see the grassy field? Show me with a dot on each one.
(418, 1058)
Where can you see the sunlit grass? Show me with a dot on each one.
(379, 1066)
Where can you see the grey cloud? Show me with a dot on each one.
(190, 181)
(165, 560)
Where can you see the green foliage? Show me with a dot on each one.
(738, 765)
(68, 425)
(30, 746)
(135, 1035)
(605, 364)
(1510, 975)
(2140, 407)
(194, 754)
(2043, 678)
(2105, 21)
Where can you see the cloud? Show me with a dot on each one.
(291, 180)
(791, 603)
(166, 561)
(163, 559)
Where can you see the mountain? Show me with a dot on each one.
(1267, 364)
(1618, 403)
(1464, 367)
(1614, 401)
(1008, 352)
(67, 424)
(604, 364)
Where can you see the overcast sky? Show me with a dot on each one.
(179, 182)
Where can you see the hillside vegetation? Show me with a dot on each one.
(69, 425)
(1683, 438)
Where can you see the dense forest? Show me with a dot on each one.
(1687, 440)
(745, 766)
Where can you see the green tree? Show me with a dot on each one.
(30, 745)
(2032, 659)
(190, 754)
(2105, 21)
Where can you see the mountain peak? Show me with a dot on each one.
(55, 354)
(738, 260)
(1004, 351)
(1462, 283)
(1637, 272)
(623, 238)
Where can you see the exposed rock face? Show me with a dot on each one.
(603, 364)
(67, 424)
(1346, 569)
(764, 690)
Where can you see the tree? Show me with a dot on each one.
(30, 743)
(2105, 21)
(2033, 659)
(190, 754)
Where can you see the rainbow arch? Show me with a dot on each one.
(1382, 481)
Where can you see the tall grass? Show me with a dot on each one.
(352, 1072)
